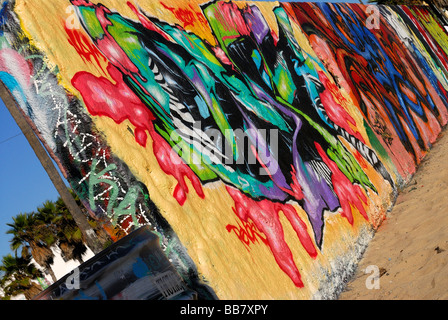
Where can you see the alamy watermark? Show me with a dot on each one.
(212, 146)
(72, 281)
(373, 20)
(373, 280)
(72, 21)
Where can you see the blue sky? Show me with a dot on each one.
(24, 184)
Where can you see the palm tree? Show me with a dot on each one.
(70, 238)
(18, 275)
(32, 237)
(57, 219)
(35, 233)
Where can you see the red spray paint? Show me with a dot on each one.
(347, 192)
(265, 215)
(116, 101)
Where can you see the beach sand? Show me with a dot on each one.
(410, 248)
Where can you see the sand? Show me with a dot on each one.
(410, 248)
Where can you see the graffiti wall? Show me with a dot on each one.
(263, 142)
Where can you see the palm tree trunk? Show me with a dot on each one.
(51, 273)
(78, 216)
(33, 291)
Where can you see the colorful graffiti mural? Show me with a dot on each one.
(262, 142)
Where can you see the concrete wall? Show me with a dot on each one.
(264, 142)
